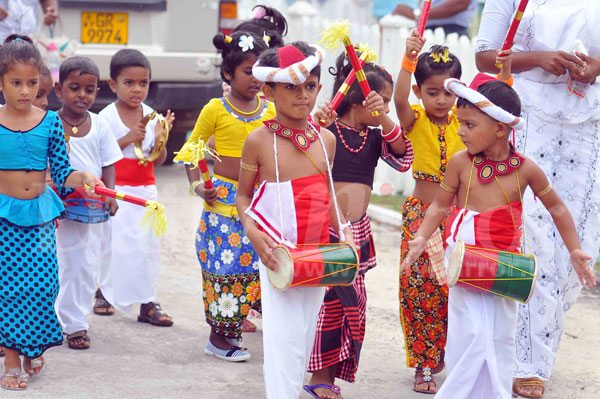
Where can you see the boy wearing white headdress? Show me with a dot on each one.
(488, 180)
(290, 159)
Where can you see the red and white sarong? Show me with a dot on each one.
(481, 327)
(290, 317)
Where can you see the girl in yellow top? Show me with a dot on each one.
(432, 129)
(229, 264)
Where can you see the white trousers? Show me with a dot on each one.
(82, 249)
(289, 320)
(133, 274)
(480, 351)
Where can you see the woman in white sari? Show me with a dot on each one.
(562, 135)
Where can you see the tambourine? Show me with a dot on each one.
(160, 143)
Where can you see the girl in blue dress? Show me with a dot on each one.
(30, 140)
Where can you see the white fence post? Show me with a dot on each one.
(299, 15)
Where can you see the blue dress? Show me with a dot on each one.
(28, 266)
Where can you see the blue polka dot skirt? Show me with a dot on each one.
(28, 288)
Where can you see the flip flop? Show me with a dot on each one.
(37, 363)
(311, 389)
(15, 373)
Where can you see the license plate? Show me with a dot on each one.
(104, 27)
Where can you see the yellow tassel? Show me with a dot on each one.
(191, 154)
(366, 52)
(155, 218)
(333, 36)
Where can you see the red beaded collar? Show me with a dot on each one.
(301, 138)
(487, 169)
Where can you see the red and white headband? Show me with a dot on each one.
(460, 89)
(294, 66)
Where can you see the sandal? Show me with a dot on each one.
(248, 326)
(36, 363)
(79, 336)
(311, 389)
(15, 373)
(441, 364)
(101, 306)
(533, 382)
(155, 317)
(424, 376)
(233, 354)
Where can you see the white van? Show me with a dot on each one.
(175, 35)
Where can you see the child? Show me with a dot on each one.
(28, 271)
(358, 148)
(270, 26)
(432, 130)
(488, 180)
(83, 246)
(229, 263)
(267, 23)
(136, 253)
(46, 84)
(290, 159)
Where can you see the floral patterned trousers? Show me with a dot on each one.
(231, 284)
(423, 302)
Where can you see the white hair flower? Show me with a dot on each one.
(246, 43)
(266, 38)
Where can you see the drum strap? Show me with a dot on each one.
(332, 189)
(507, 200)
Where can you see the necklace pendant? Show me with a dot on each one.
(74, 130)
(362, 134)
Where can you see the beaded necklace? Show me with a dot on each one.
(360, 132)
(243, 112)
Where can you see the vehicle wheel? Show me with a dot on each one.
(176, 140)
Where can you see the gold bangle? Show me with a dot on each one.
(447, 188)
(545, 191)
(409, 65)
(193, 186)
(248, 167)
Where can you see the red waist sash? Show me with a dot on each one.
(494, 229)
(129, 172)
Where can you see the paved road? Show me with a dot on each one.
(133, 360)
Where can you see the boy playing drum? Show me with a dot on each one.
(488, 180)
(291, 160)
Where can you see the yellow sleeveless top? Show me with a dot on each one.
(433, 144)
(230, 130)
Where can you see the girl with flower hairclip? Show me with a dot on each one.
(229, 263)
(432, 128)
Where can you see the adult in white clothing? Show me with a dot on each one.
(562, 135)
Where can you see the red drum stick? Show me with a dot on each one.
(510, 36)
(204, 171)
(358, 70)
(343, 90)
(424, 16)
(122, 196)
(423, 20)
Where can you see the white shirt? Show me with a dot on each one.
(95, 150)
(22, 17)
(111, 115)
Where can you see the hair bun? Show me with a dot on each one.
(15, 37)
(219, 41)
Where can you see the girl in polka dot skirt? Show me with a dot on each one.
(30, 139)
